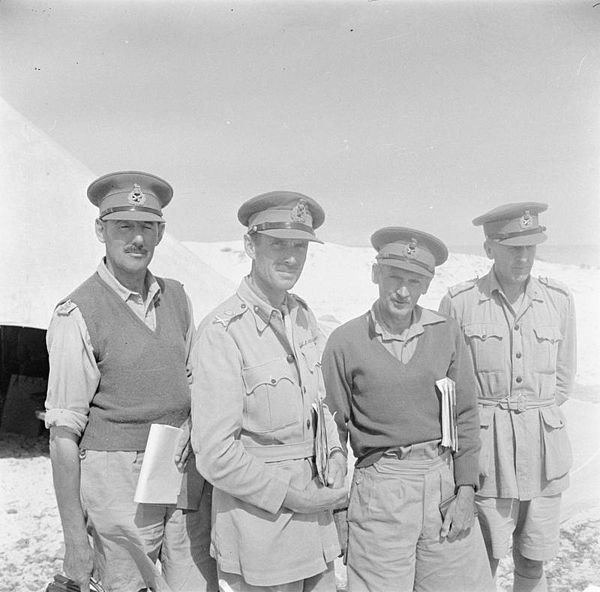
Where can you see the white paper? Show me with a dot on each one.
(160, 479)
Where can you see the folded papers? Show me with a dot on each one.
(160, 479)
(447, 389)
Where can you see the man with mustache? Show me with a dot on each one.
(118, 348)
(521, 333)
(400, 383)
(257, 408)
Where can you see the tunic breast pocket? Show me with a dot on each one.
(546, 348)
(487, 346)
(271, 396)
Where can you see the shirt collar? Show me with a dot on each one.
(125, 293)
(491, 285)
(263, 311)
(420, 318)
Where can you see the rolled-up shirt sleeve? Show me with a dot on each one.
(74, 375)
(217, 415)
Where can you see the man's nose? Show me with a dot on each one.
(402, 290)
(137, 239)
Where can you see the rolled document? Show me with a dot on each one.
(447, 389)
(160, 479)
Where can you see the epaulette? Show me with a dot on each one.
(554, 284)
(300, 300)
(224, 316)
(462, 287)
(65, 309)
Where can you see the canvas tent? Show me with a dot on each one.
(47, 243)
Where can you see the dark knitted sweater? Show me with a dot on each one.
(382, 403)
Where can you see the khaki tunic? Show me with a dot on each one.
(525, 364)
(253, 435)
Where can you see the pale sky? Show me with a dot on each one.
(422, 113)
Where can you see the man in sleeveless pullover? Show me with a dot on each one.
(400, 383)
(257, 381)
(118, 348)
(521, 334)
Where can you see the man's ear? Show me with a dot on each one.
(375, 273)
(487, 245)
(161, 231)
(426, 284)
(100, 227)
(249, 246)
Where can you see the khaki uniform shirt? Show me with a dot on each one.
(253, 435)
(525, 363)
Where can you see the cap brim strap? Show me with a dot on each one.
(506, 235)
(411, 260)
(280, 226)
(130, 209)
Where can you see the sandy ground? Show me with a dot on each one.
(30, 534)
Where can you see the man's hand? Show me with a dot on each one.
(338, 467)
(460, 516)
(315, 498)
(184, 446)
(79, 563)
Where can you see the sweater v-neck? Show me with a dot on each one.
(115, 296)
(418, 348)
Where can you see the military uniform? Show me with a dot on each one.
(525, 359)
(103, 335)
(257, 375)
(390, 408)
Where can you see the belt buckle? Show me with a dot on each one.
(521, 403)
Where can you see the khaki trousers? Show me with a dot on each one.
(394, 525)
(130, 538)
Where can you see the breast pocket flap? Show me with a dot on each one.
(268, 374)
(548, 333)
(484, 331)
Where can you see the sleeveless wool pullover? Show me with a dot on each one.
(142, 372)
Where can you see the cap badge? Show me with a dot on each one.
(526, 220)
(136, 197)
(411, 248)
(301, 213)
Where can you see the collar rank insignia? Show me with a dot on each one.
(136, 197)
(526, 220)
(411, 248)
(301, 213)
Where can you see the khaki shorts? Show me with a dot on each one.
(533, 525)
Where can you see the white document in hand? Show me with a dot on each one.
(160, 479)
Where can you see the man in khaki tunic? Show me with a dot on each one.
(521, 333)
(256, 395)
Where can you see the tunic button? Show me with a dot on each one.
(273, 381)
(290, 358)
(308, 423)
(242, 305)
(519, 379)
(516, 327)
(518, 355)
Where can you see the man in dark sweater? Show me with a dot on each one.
(400, 383)
(118, 348)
